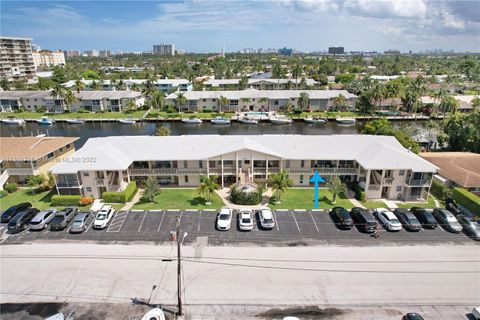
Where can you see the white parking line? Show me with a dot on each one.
(298, 227)
(161, 221)
(139, 228)
(91, 224)
(282, 210)
(316, 227)
(210, 210)
(117, 222)
(199, 220)
(276, 221)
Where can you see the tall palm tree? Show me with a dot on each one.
(279, 182)
(303, 101)
(58, 93)
(392, 90)
(430, 125)
(4, 84)
(180, 101)
(135, 87)
(69, 98)
(79, 85)
(151, 189)
(243, 82)
(95, 85)
(208, 185)
(449, 104)
(336, 187)
(162, 131)
(158, 100)
(296, 72)
(339, 102)
(377, 93)
(130, 105)
(277, 73)
(149, 89)
(223, 103)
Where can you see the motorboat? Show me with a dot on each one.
(220, 120)
(154, 314)
(13, 121)
(128, 120)
(346, 121)
(45, 121)
(316, 120)
(280, 120)
(192, 120)
(75, 121)
(248, 120)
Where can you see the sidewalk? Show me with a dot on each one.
(224, 194)
(135, 199)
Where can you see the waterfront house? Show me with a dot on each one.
(256, 100)
(164, 85)
(30, 156)
(380, 164)
(87, 100)
(260, 84)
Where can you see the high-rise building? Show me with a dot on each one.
(164, 49)
(105, 53)
(336, 50)
(285, 51)
(72, 53)
(16, 60)
(391, 52)
(47, 58)
(92, 53)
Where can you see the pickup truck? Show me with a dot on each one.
(63, 218)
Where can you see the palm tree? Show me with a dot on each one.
(279, 182)
(245, 100)
(70, 99)
(181, 101)
(162, 130)
(277, 72)
(296, 71)
(263, 100)
(130, 105)
(340, 102)
(58, 92)
(392, 90)
(48, 181)
(243, 82)
(449, 104)
(336, 187)
(79, 85)
(95, 85)
(149, 89)
(4, 84)
(377, 93)
(208, 185)
(151, 189)
(430, 125)
(303, 101)
(223, 103)
(158, 100)
(303, 83)
(288, 107)
(135, 87)
(475, 103)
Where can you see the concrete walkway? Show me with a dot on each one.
(390, 204)
(128, 205)
(225, 192)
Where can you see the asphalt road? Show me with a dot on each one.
(441, 281)
(293, 228)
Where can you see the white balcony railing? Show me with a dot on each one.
(388, 180)
(324, 171)
(419, 183)
(167, 172)
(22, 171)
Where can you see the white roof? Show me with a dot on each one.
(118, 152)
(269, 94)
(82, 95)
(217, 82)
(173, 82)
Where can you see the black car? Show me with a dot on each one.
(21, 220)
(408, 220)
(451, 206)
(470, 227)
(425, 217)
(341, 217)
(364, 219)
(63, 218)
(447, 220)
(412, 316)
(12, 211)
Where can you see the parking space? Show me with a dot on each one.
(293, 227)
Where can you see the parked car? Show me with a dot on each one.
(447, 220)
(342, 218)
(408, 220)
(12, 211)
(476, 313)
(80, 222)
(451, 206)
(103, 217)
(246, 220)
(388, 219)
(42, 219)
(63, 218)
(412, 316)
(470, 227)
(266, 218)
(425, 217)
(21, 220)
(224, 219)
(363, 219)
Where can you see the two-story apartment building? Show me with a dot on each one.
(164, 85)
(380, 164)
(30, 156)
(87, 100)
(259, 100)
(259, 84)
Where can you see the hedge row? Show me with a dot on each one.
(245, 198)
(440, 191)
(467, 199)
(60, 200)
(120, 197)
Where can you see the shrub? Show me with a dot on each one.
(297, 111)
(61, 200)
(81, 110)
(467, 199)
(33, 181)
(153, 114)
(245, 198)
(359, 192)
(120, 197)
(10, 187)
(440, 191)
(41, 109)
(3, 193)
(207, 110)
(19, 110)
(85, 201)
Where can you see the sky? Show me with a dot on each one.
(208, 25)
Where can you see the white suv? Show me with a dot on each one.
(388, 219)
(266, 218)
(103, 217)
(224, 219)
(246, 219)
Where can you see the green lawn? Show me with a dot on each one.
(179, 199)
(70, 115)
(373, 204)
(40, 201)
(429, 204)
(303, 199)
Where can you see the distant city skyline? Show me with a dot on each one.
(205, 26)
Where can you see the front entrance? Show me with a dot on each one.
(385, 192)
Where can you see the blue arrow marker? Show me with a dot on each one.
(316, 179)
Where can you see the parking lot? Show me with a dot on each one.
(292, 228)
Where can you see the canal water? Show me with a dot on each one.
(96, 129)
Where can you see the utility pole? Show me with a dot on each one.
(179, 270)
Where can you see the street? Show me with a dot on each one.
(405, 278)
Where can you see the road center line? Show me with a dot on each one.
(141, 224)
(161, 221)
(316, 227)
(293, 215)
